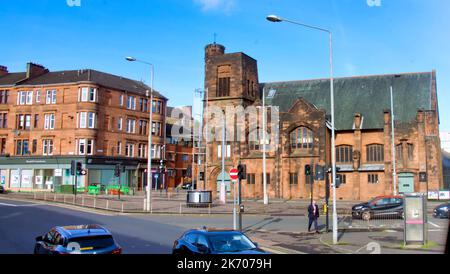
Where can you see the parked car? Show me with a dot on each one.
(80, 239)
(379, 207)
(186, 186)
(2, 189)
(215, 241)
(442, 211)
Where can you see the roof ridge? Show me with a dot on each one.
(350, 77)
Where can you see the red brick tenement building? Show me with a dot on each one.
(48, 119)
(179, 152)
(363, 130)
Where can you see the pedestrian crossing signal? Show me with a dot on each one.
(307, 170)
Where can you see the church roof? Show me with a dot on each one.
(367, 95)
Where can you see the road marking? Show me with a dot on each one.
(11, 205)
(433, 224)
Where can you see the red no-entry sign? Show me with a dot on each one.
(234, 174)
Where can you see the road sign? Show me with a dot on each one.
(234, 174)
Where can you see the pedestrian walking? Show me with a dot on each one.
(313, 215)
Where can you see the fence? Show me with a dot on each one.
(175, 205)
(370, 221)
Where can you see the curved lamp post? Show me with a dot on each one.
(276, 19)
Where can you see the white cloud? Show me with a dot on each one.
(208, 5)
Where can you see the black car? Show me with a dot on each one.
(2, 189)
(442, 211)
(213, 241)
(379, 207)
(80, 239)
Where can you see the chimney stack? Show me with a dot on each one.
(35, 70)
(3, 70)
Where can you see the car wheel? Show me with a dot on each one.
(365, 216)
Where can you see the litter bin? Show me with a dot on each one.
(199, 198)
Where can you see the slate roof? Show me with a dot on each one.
(368, 95)
(12, 78)
(76, 76)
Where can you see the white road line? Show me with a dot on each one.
(433, 224)
(3, 204)
(13, 205)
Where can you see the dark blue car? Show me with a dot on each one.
(80, 239)
(214, 241)
(442, 211)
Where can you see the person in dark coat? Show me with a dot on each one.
(313, 215)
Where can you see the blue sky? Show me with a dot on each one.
(397, 36)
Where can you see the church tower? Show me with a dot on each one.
(230, 78)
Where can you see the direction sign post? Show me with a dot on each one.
(234, 179)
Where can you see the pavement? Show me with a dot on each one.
(277, 233)
(175, 203)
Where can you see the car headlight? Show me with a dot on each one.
(358, 207)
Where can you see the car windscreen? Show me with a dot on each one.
(230, 242)
(93, 242)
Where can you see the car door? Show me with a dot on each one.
(202, 243)
(191, 243)
(390, 208)
(381, 206)
(46, 245)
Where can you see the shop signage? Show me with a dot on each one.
(39, 180)
(433, 195)
(36, 161)
(58, 172)
(3, 180)
(444, 195)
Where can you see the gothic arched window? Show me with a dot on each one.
(302, 138)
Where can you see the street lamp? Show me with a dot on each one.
(276, 19)
(150, 133)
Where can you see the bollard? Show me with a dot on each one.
(122, 207)
(95, 202)
(209, 209)
(180, 208)
(145, 205)
(45, 196)
(64, 199)
(107, 204)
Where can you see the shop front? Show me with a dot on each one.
(49, 174)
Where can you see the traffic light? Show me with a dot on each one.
(189, 171)
(202, 176)
(80, 170)
(73, 168)
(117, 171)
(242, 172)
(307, 170)
(338, 180)
(320, 172)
